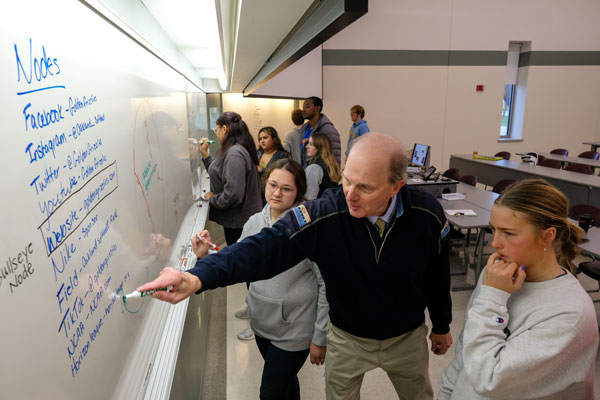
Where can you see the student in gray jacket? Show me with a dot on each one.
(234, 181)
(289, 312)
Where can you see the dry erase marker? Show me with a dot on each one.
(135, 294)
(210, 244)
(204, 141)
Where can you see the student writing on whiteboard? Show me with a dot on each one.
(288, 312)
(234, 181)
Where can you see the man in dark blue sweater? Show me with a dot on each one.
(383, 251)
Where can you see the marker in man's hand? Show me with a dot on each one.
(135, 294)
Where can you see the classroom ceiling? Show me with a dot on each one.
(227, 39)
(263, 25)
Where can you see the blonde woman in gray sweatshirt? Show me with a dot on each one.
(530, 329)
(288, 313)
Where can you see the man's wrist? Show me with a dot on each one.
(193, 282)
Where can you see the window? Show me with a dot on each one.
(510, 87)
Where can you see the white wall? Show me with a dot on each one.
(438, 105)
(260, 112)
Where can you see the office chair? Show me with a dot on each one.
(561, 152)
(452, 173)
(503, 154)
(501, 185)
(592, 155)
(589, 268)
(469, 179)
(550, 163)
(580, 209)
(581, 168)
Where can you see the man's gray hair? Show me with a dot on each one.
(398, 165)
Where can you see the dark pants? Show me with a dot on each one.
(232, 235)
(279, 378)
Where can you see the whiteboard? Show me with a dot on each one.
(95, 191)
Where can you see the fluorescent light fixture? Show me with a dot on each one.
(192, 27)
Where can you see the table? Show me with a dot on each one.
(572, 160)
(479, 222)
(579, 188)
(479, 197)
(592, 248)
(594, 145)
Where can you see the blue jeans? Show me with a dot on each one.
(279, 378)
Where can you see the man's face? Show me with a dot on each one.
(308, 109)
(366, 185)
(354, 116)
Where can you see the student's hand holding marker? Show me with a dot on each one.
(503, 275)
(201, 244)
(183, 285)
(203, 147)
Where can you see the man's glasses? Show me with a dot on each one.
(286, 190)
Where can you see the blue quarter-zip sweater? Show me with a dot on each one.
(376, 288)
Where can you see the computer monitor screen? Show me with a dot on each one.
(420, 156)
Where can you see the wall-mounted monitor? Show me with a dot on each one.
(420, 155)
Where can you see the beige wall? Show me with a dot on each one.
(259, 112)
(438, 105)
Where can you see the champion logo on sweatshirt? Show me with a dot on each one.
(499, 320)
(302, 215)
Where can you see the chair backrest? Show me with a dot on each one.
(549, 163)
(452, 173)
(562, 152)
(580, 209)
(501, 185)
(581, 168)
(540, 158)
(469, 179)
(593, 155)
(503, 154)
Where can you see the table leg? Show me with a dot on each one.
(471, 286)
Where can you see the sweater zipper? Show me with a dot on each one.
(378, 252)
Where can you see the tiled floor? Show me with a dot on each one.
(244, 363)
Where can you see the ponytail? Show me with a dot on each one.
(568, 244)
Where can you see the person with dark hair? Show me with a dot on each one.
(234, 180)
(318, 122)
(359, 125)
(322, 171)
(270, 148)
(383, 251)
(288, 313)
(530, 328)
(292, 143)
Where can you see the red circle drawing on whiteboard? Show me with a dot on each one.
(148, 174)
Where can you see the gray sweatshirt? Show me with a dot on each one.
(236, 187)
(538, 343)
(289, 309)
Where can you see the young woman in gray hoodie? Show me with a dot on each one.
(289, 312)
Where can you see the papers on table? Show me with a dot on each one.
(461, 213)
(453, 196)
